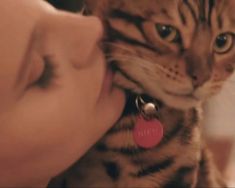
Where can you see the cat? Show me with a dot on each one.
(171, 55)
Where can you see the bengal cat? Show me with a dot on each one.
(173, 55)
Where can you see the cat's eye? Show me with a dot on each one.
(168, 33)
(223, 43)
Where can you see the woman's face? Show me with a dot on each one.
(35, 35)
(37, 40)
(51, 74)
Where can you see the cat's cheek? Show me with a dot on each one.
(222, 70)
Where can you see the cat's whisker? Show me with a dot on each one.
(121, 57)
(119, 46)
(132, 54)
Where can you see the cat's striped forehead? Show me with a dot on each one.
(201, 10)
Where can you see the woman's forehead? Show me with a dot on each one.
(20, 17)
(13, 8)
(18, 20)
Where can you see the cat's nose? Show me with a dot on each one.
(198, 68)
(199, 74)
(198, 79)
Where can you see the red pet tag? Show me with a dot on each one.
(147, 133)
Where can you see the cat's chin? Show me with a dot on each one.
(177, 101)
(182, 102)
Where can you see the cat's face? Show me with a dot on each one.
(176, 50)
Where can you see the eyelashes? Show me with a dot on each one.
(47, 75)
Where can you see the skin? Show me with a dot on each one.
(45, 130)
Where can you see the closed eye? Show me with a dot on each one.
(47, 74)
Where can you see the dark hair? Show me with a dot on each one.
(69, 5)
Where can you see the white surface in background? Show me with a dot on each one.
(220, 122)
(230, 172)
(220, 118)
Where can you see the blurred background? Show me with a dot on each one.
(219, 121)
(69, 5)
(220, 129)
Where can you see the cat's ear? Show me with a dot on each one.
(97, 7)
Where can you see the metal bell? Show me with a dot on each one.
(149, 109)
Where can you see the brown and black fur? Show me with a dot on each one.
(180, 75)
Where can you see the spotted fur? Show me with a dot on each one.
(180, 75)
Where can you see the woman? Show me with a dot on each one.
(56, 98)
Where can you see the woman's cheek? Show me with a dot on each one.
(96, 74)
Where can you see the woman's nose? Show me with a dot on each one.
(73, 37)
